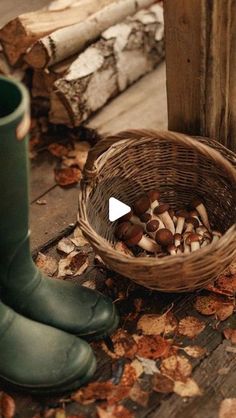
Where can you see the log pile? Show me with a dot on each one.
(84, 52)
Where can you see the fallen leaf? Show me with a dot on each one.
(138, 367)
(58, 150)
(138, 395)
(115, 411)
(124, 345)
(152, 346)
(190, 326)
(228, 408)
(73, 265)
(60, 413)
(189, 388)
(224, 311)
(47, 264)
(195, 351)
(230, 334)
(78, 238)
(176, 367)
(151, 324)
(212, 304)
(149, 366)
(77, 156)
(129, 376)
(67, 176)
(8, 407)
(65, 246)
(90, 284)
(122, 248)
(93, 392)
(162, 383)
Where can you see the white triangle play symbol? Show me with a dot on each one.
(117, 209)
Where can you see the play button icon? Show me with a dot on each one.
(117, 209)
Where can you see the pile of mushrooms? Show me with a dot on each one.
(157, 229)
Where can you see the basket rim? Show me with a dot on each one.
(105, 246)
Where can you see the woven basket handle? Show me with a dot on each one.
(179, 138)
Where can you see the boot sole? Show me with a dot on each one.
(63, 388)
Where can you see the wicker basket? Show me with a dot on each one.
(132, 162)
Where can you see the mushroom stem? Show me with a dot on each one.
(200, 208)
(172, 249)
(162, 212)
(154, 196)
(181, 216)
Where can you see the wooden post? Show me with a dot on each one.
(200, 40)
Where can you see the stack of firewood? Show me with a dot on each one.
(83, 52)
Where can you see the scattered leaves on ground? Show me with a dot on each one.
(138, 395)
(67, 176)
(212, 304)
(123, 343)
(190, 326)
(195, 351)
(228, 408)
(152, 346)
(66, 246)
(149, 366)
(58, 150)
(78, 238)
(188, 388)
(115, 411)
(162, 383)
(78, 155)
(7, 406)
(176, 367)
(47, 264)
(151, 324)
(73, 265)
(230, 334)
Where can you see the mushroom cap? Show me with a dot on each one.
(145, 217)
(171, 213)
(163, 207)
(122, 229)
(153, 195)
(134, 235)
(171, 247)
(193, 213)
(193, 238)
(164, 237)
(153, 225)
(178, 236)
(126, 217)
(192, 221)
(182, 213)
(141, 205)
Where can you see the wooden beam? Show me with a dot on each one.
(201, 67)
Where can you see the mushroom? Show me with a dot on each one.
(194, 241)
(164, 237)
(122, 229)
(206, 239)
(216, 236)
(152, 227)
(135, 236)
(178, 239)
(147, 216)
(200, 208)
(172, 249)
(154, 196)
(180, 249)
(173, 217)
(191, 223)
(132, 218)
(141, 205)
(194, 214)
(201, 230)
(181, 216)
(162, 212)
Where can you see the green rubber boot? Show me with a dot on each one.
(72, 308)
(41, 359)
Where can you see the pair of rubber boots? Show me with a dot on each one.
(40, 318)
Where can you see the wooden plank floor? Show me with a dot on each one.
(143, 105)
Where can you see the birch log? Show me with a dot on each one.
(70, 40)
(20, 33)
(124, 53)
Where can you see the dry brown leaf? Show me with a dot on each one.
(152, 346)
(60, 413)
(151, 324)
(195, 351)
(78, 238)
(65, 246)
(90, 284)
(129, 376)
(115, 411)
(47, 264)
(58, 150)
(67, 176)
(73, 265)
(124, 345)
(138, 367)
(189, 388)
(230, 334)
(77, 156)
(8, 407)
(190, 326)
(228, 408)
(224, 311)
(162, 383)
(212, 304)
(176, 367)
(138, 395)
(149, 366)
(93, 392)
